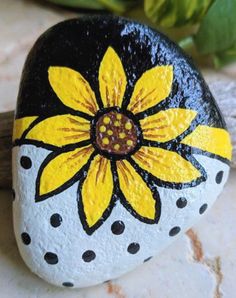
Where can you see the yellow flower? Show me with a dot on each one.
(118, 149)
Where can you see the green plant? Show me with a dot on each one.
(212, 23)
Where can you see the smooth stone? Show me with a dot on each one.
(119, 148)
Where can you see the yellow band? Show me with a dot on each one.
(211, 139)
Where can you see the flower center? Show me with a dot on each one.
(116, 133)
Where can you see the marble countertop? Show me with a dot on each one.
(200, 264)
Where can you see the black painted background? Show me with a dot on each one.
(81, 43)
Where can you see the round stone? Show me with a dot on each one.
(203, 208)
(174, 231)
(133, 248)
(118, 227)
(26, 238)
(121, 135)
(181, 203)
(116, 133)
(56, 220)
(88, 256)
(51, 258)
(25, 162)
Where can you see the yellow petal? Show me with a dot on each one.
(112, 79)
(153, 86)
(61, 169)
(72, 89)
(166, 165)
(97, 190)
(60, 130)
(20, 126)
(211, 139)
(136, 192)
(167, 125)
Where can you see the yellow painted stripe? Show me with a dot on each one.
(211, 139)
(20, 126)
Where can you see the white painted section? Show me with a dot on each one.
(69, 240)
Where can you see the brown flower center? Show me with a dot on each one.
(116, 133)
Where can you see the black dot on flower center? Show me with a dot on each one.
(133, 248)
(181, 203)
(203, 208)
(219, 177)
(51, 258)
(68, 284)
(56, 220)
(25, 162)
(88, 256)
(174, 231)
(118, 227)
(25, 237)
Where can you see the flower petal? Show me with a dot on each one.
(166, 165)
(211, 139)
(167, 125)
(97, 190)
(58, 172)
(72, 89)
(112, 79)
(60, 130)
(153, 86)
(20, 126)
(136, 192)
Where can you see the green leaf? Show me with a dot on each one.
(223, 58)
(90, 4)
(217, 31)
(172, 13)
(119, 6)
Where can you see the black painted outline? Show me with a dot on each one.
(126, 102)
(114, 156)
(107, 211)
(70, 182)
(174, 185)
(184, 151)
(197, 151)
(155, 196)
(117, 195)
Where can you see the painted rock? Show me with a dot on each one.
(119, 147)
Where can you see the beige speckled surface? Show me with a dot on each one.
(201, 264)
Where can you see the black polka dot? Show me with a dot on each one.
(174, 231)
(68, 284)
(89, 256)
(25, 162)
(181, 202)
(25, 238)
(56, 220)
(219, 177)
(203, 208)
(51, 258)
(118, 227)
(13, 194)
(148, 259)
(133, 248)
